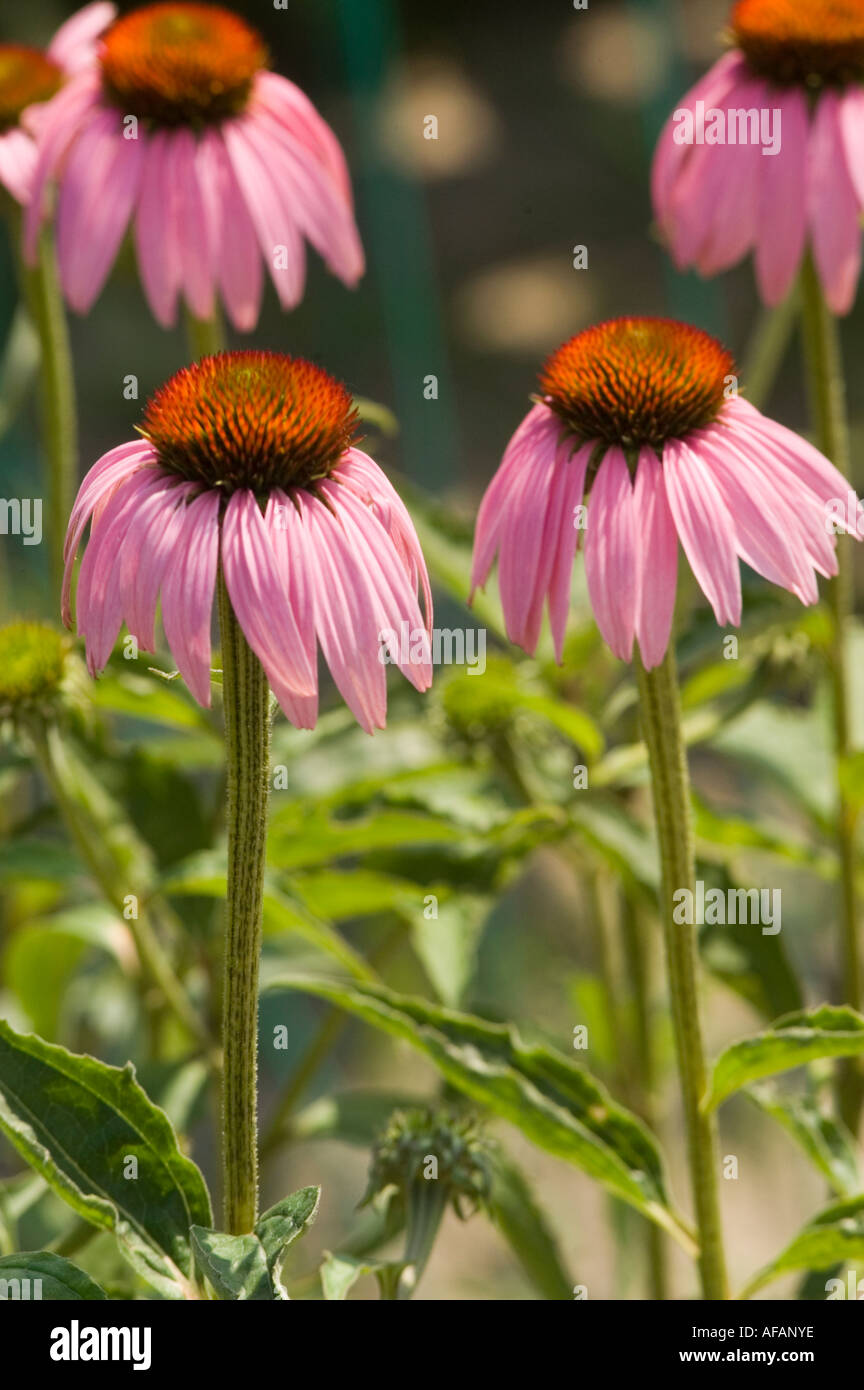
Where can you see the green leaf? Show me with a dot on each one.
(299, 839)
(38, 860)
(448, 943)
(44, 952)
(829, 1146)
(792, 1041)
(835, 1236)
(752, 963)
(284, 1223)
(236, 1266)
(339, 1274)
(555, 1102)
(78, 1122)
(573, 723)
(58, 1279)
(516, 1212)
(149, 698)
(248, 1268)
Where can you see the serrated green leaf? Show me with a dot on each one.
(555, 1102)
(59, 1280)
(77, 1121)
(834, 1237)
(236, 1266)
(792, 1041)
(284, 1223)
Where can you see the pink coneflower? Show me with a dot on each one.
(246, 463)
(182, 132)
(640, 414)
(29, 77)
(716, 202)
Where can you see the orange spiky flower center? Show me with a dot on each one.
(26, 76)
(183, 64)
(637, 381)
(251, 419)
(809, 42)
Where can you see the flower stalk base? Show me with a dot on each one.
(661, 727)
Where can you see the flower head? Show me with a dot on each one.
(182, 132)
(766, 153)
(32, 668)
(29, 77)
(461, 1152)
(641, 417)
(246, 463)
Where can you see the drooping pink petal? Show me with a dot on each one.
(288, 540)
(258, 597)
(17, 163)
(99, 606)
(345, 614)
(231, 235)
(766, 535)
(610, 553)
(374, 487)
(565, 543)
(833, 207)
(538, 434)
(274, 219)
(60, 122)
(852, 132)
(292, 109)
(704, 528)
(657, 545)
(524, 555)
(782, 212)
(731, 186)
(318, 205)
(187, 592)
(157, 232)
(74, 45)
(796, 454)
(395, 598)
(103, 478)
(97, 194)
(670, 157)
(152, 542)
(197, 279)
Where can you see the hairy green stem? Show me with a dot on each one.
(660, 708)
(41, 288)
(828, 405)
(246, 699)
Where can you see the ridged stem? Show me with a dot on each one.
(828, 405)
(246, 700)
(660, 709)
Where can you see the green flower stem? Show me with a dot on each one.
(828, 405)
(205, 336)
(425, 1205)
(116, 859)
(661, 729)
(41, 289)
(246, 699)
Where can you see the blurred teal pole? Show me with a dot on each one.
(399, 244)
(690, 297)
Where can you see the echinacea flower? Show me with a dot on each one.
(247, 465)
(29, 77)
(641, 415)
(183, 133)
(796, 77)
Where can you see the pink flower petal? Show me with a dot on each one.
(658, 560)
(258, 597)
(60, 122)
(187, 593)
(782, 226)
(610, 553)
(704, 528)
(833, 207)
(74, 45)
(274, 219)
(17, 163)
(197, 278)
(231, 235)
(157, 233)
(98, 191)
(565, 543)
